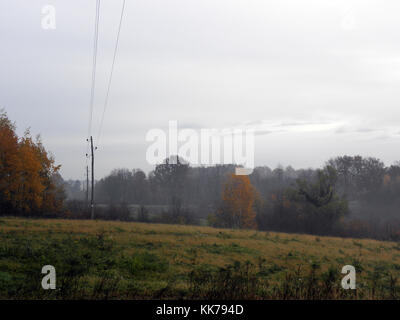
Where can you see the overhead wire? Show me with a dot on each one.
(111, 74)
(93, 78)
(94, 64)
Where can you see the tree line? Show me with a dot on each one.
(348, 196)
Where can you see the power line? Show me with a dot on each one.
(112, 71)
(94, 64)
(93, 84)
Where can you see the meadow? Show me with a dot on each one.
(130, 260)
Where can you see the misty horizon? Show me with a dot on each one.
(311, 93)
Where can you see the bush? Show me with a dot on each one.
(77, 209)
(120, 212)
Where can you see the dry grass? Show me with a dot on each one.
(186, 247)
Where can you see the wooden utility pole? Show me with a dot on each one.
(92, 198)
(87, 186)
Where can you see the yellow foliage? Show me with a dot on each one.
(238, 197)
(26, 171)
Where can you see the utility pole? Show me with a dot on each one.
(92, 198)
(87, 186)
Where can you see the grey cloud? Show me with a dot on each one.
(263, 132)
(281, 65)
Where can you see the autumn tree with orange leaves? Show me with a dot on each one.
(237, 208)
(26, 174)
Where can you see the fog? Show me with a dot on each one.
(329, 69)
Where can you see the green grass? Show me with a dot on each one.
(125, 260)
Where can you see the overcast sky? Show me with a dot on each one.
(316, 79)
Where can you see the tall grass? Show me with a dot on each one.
(109, 260)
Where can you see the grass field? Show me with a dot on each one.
(127, 260)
